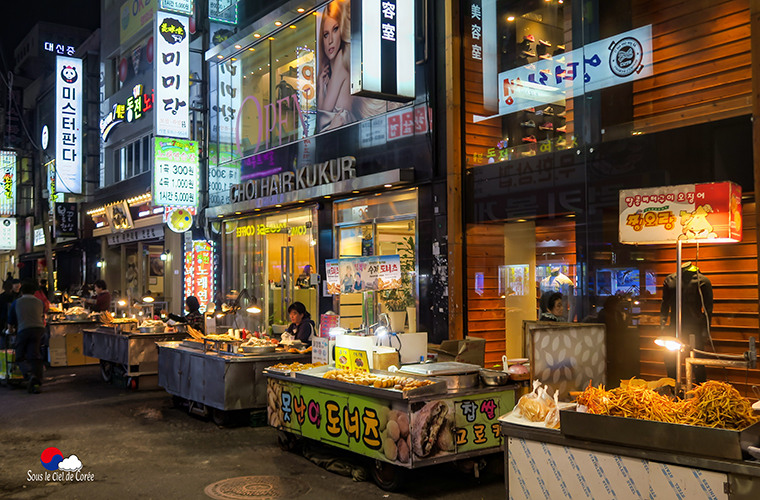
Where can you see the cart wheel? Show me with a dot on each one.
(388, 477)
(287, 441)
(131, 383)
(220, 417)
(106, 370)
(178, 402)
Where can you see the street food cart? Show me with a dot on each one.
(66, 340)
(214, 378)
(400, 426)
(126, 352)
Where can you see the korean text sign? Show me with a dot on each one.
(363, 274)
(8, 191)
(172, 72)
(618, 59)
(8, 233)
(705, 212)
(68, 124)
(199, 272)
(66, 220)
(175, 172)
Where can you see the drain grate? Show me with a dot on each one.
(261, 487)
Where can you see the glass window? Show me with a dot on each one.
(380, 225)
(273, 257)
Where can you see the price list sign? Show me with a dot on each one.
(175, 172)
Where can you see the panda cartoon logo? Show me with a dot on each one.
(69, 74)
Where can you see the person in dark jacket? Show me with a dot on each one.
(301, 326)
(26, 313)
(194, 317)
(551, 306)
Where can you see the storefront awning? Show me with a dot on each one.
(395, 177)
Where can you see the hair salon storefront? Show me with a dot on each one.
(301, 171)
(566, 106)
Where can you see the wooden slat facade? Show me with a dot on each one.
(702, 63)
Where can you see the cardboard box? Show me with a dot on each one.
(471, 350)
(74, 351)
(57, 350)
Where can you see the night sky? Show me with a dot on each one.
(19, 16)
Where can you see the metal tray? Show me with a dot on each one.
(313, 376)
(252, 350)
(443, 368)
(677, 438)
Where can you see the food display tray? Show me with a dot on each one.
(437, 369)
(648, 434)
(313, 376)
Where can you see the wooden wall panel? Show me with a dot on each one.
(702, 63)
(732, 270)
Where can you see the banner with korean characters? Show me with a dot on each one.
(172, 117)
(66, 220)
(68, 124)
(689, 212)
(199, 272)
(363, 274)
(175, 173)
(605, 63)
(8, 171)
(390, 430)
(8, 234)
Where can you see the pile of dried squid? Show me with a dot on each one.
(712, 404)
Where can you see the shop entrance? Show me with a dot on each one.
(384, 224)
(273, 258)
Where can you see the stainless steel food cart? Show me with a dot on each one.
(596, 456)
(398, 430)
(133, 355)
(214, 382)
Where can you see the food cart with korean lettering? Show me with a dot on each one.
(397, 429)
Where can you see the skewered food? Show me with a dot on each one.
(375, 380)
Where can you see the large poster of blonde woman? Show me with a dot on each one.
(335, 104)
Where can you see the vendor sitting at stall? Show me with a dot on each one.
(302, 326)
(194, 317)
(102, 300)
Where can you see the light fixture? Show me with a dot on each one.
(100, 263)
(669, 343)
(510, 18)
(238, 46)
(388, 185)
(148, 298)
(122, 303)
(220, 56)
(271, 38)
(165, 255)
(300, 10)
(278, 23)
(256, 35)
(292, 26)
(251, 49)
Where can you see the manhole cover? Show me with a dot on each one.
(261, 487)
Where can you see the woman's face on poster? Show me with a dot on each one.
(330, 37)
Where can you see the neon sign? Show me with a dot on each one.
(135, 107)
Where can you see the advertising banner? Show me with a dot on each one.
(392, 431)
(8, 239)
(172, 88)
(134, 15)
(618, 59)
(181, 6)
(705, 212)
(8, 193)
(68, 124)
(363, 274)
(175, 173)
(199, 272)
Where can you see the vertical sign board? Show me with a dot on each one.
(8, 233)
(384, 65)
(175, 173)
(199, 272)
(8, 193)
(68, 124)
(66, 220)
(172, 117)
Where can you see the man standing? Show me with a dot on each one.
(27, 314)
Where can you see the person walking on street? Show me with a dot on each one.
(26, 313)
